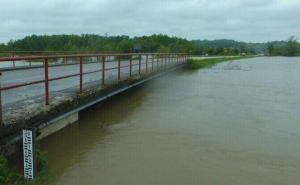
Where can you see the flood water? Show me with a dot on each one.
(237, 123)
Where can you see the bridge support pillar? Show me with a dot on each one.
(58, 125)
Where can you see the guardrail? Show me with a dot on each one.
(43, 53)
(30, 53)
(161, 61)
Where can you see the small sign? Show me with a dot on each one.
(28, 153)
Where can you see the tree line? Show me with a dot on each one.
(154, 43)
(289, 48)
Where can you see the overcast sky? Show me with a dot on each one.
(243, 20)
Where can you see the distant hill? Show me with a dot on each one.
(225, 43)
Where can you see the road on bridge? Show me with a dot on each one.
(29, 75)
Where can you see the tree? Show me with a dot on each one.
(271, 49)
(292, 46)
(163, 49)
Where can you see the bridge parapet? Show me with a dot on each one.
(30, 95)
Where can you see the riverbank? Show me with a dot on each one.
(9, 174)
(209, 62)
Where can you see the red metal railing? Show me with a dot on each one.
(163, 60)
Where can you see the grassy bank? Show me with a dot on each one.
(10, 176)
(209, 62)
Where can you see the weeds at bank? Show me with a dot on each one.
(206, 63)
(10, 176)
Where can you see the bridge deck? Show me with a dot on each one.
(21, 104)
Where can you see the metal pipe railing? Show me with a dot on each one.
(162, 61)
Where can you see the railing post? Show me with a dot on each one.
(174, 59)
(14, 65)
(140, 61)
(146, 63)
(46, 68)
(1, 116)
(163, 61)
(81, 75)
(157, 60)
(130, 66)
(103, 70)
(166, 61)
(119, 68)
(152, 63)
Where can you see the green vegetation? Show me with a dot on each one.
(148, 44)
(86, 42)
(289, 48)
(10, 176)
(209, 62)
(153, 43)
(7, 174)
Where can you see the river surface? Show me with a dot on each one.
(237, 123)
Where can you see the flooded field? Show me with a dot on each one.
(237, 123)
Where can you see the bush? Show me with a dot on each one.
(9, 176)
(209, 62)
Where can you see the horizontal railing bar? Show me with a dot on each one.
(21, 85)
(61, 77)
(29, 52)
(7, 59)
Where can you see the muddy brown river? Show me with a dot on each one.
(237, 123)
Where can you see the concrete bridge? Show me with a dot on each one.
(47, 91)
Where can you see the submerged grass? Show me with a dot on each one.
(209, 62)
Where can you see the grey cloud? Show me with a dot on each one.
(251, 20)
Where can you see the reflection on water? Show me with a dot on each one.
(237, 123)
